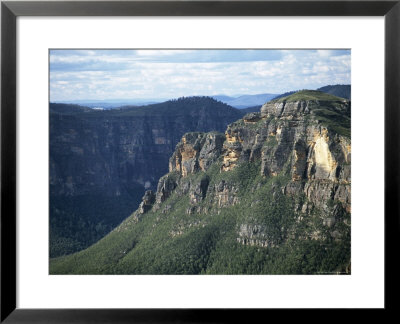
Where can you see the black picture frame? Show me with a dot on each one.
(10, 10)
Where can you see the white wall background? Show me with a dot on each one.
(363, 288)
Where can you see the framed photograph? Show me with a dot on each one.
(192, 161)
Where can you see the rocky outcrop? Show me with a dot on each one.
(166, 186)
(253, 235)
(111, 151)
(294, 108)
(117, 155)
(147, 203)
(286, 138)
(199, 191)
(252, 118)
(289, 137)
(225, 194)
(195, 152)
(271, 195)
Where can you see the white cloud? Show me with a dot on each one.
(83, 77)
(157, 53)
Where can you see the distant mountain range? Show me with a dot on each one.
(112, 103)
(240, 102)
(339, 90)
(246, 101)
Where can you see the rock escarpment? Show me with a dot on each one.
(290, 138)
(270, 195)
(101, 162)
(196, 152)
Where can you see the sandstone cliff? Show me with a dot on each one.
(101, 162)
(270, 195)
(287, 137)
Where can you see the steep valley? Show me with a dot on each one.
(269, 195)
(101, 162)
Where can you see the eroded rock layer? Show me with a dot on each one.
(271, 195)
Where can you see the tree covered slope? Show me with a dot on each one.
(101, 162)
(269, 196)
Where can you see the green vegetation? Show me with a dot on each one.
(243, 222)
(308, 95)
(209, 242)
(339, 123)
(251, 109)
(68, 109)
(77, 222)
(326, 108)
(271, 141)
(100, 161)
(339, 90)
(180, 106)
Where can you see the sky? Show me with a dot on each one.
(166, 74)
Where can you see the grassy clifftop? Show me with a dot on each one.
(307, 95)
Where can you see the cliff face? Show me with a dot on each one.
(110, 152)
(286, 138)
(101, 162)
(290, 137)
(271, 195)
